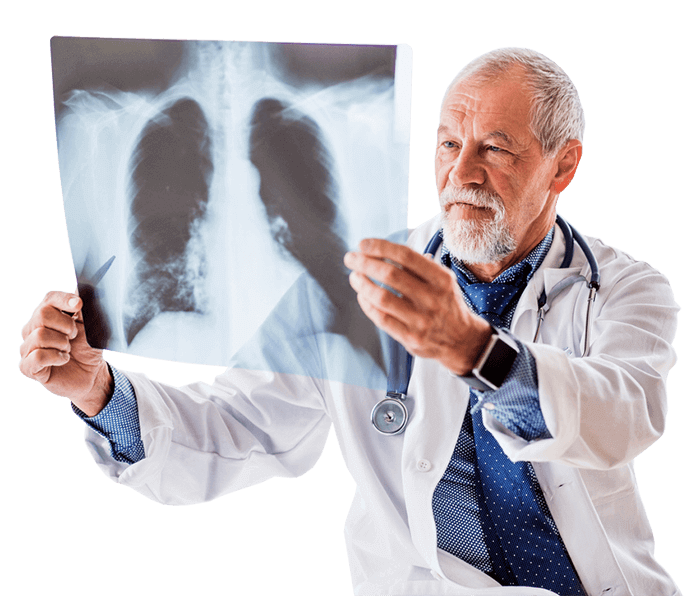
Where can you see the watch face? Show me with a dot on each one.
(498, 363)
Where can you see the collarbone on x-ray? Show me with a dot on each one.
(216, 190)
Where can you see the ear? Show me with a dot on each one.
(567, 162)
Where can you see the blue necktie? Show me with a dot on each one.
(514, 523)
(492, 301)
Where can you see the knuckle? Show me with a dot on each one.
(392, 274)
(41, 319)
(48, 338)
(43, 358)
(57, 300)
(24, 367)
(30, 364)
(381, 318)
(27, 329)
(42, 336)
(431, 303)
(446, 279)
(414, 343)
(52, 297)
(420, 328)
(382, 298)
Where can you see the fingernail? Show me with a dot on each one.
(73, 302)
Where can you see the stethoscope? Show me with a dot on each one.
(390, 415)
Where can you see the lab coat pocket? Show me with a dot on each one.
(619, 505)
(605, 486)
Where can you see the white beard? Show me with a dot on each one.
(476, 241)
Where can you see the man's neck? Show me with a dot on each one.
(487, 272)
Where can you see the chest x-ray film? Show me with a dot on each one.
(203, 180)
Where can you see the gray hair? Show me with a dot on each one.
(556, 115)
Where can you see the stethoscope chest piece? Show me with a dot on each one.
(390, 415)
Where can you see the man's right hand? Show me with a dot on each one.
(55, 352)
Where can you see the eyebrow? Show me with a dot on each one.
(499, 134)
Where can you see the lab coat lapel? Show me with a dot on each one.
(547, 276)
(563, 487)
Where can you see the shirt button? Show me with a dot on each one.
(423, 465)
(489, 406)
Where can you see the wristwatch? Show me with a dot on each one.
(495, 362)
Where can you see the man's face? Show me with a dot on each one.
(495, 185)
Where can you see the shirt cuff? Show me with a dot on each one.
(118, 422)
(516, 404)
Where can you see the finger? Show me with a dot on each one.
(51, 318)
(413, 341)
(384, 272)
(38, 363)
(425, 269)
(52, 313)
(64, 301)
(402, 255)
(45, 338)
(403, 320)
(382, 319)
(424, 293)
(381, 299)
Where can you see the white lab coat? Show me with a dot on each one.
(203, 441)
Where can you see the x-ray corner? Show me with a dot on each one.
(211, 190)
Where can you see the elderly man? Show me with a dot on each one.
(515, 468)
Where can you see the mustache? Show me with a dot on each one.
(472, 196)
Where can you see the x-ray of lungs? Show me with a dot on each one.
(211, 189)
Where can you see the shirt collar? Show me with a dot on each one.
(526, 267)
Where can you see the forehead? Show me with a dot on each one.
(503, 104)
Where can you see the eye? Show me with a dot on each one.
(494, 149)
(449, 144)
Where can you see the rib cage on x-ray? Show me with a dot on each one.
(239, 177)
(170, 174)
(171, 169)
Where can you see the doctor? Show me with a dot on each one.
(515, 468)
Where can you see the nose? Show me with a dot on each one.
(467, 169)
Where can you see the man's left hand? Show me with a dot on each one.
(426, 312)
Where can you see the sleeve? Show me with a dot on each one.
(516, 404)
(118, 422)
(265, 417)
(604, 409)
(203, 441)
